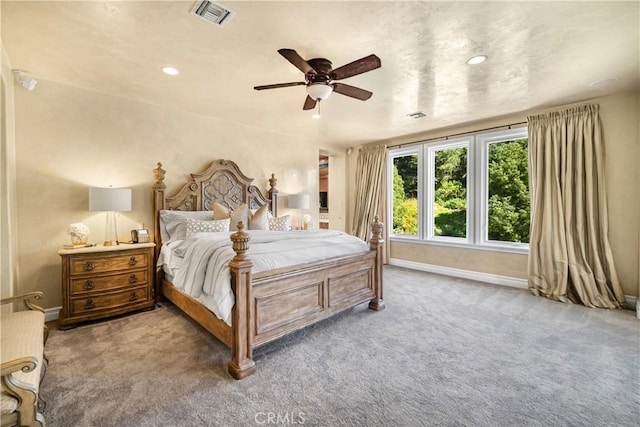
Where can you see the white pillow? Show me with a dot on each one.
(241, 213)
(198, 226)
(260, 219)
(172, 223)
(253, 212)
(281, 223)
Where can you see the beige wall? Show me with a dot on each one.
(619, 116)
(69, 139)
(8, 238)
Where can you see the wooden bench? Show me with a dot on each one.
(23, 335)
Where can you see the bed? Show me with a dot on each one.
(272, 302)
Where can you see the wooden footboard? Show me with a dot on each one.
(272, 304)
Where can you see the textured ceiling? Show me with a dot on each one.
(540, 54)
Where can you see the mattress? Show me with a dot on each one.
(199, 264)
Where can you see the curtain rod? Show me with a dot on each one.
(422, 141)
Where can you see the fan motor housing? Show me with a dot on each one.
(322, 66)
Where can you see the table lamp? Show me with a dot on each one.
(110, 200)
(299, 202)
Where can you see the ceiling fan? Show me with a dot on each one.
(319, 77)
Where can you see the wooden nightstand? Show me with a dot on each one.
(103, 281)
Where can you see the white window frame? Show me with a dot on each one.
(431, 149)
(477, 190)
(484, 140)
(402, 152)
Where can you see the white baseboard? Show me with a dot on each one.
(51, 314)
(465, 274)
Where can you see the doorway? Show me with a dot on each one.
(323, 179)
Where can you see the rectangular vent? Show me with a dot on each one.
(213, 11)
(417, 115)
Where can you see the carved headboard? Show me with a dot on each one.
(222, 182)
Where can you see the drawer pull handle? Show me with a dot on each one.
(133, 296)
(132, 261)
(89, 285)
(89, 304)
(88, 266)
(133, 278)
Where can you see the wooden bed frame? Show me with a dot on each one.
(273, 303)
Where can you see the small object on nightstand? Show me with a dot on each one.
(104, 281)
(140, 236)
(88, 245)
(79, 234)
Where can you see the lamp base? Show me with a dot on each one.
(111, 230)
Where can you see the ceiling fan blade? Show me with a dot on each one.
(276, 86)
(293, 57)
(354, 68)
(309, 103)
(352, 91)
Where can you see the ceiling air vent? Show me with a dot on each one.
(213, 11)
(417, 115)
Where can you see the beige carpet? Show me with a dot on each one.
(446, 352)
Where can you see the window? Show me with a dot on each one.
(470, 191)
(447, 177)
(405, 192)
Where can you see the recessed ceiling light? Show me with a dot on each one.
(602, 82)
(170, 70)
(478, 59)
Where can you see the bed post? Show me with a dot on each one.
(273, 195)
(376, 242)
(158, 203)
(241, 364)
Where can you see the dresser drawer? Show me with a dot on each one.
(99, 283)
(108, 301)
(107, 263)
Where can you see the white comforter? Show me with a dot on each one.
(199, 264)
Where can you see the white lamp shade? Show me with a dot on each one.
(110, 199)
(299, 201)
(319, 91)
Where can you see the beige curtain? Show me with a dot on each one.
(570, 257)
(369, 200)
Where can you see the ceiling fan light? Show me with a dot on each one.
(478, 59)
(319, 91)
(170, 71)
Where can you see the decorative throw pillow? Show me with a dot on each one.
(241, 213)
(253, 212)
(281, 223)
(198, 226)
(260, 219)
(220, 211)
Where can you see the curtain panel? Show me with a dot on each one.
(369, 191)
(570, 257)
